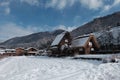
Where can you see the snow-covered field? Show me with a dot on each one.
(102, 56)
(44, 68)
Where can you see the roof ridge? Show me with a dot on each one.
(85, 35)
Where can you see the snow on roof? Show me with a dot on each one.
(58, 39)
(9, 49)
(20, 48)
(31, 48)
(2, 51)
(79, 42)
(115, 31)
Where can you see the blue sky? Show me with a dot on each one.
(24, 17)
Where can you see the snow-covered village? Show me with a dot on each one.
(59, 40)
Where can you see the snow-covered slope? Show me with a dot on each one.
(44, 68)
(109, 36)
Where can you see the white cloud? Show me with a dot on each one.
(4, 7)
(64, 28)
(116, 2)
(31, 2)
(60, 4)
(4, 3)
(10, 30)
(108, 7)
(7, 10)
(92, 4)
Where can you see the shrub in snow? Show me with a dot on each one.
(112, 59)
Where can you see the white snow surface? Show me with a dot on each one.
(45, 68)
(102, 56)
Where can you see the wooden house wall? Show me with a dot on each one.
(94, 45)
(20, 51)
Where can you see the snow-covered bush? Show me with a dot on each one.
(112, 59)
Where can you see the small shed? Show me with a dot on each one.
(85, 44)
(31, 51)
(61, 42)
(20, 51)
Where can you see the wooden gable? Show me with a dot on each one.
(93, 40)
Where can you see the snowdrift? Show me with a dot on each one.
(44, 68)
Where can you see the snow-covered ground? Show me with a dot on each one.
(45, 68)
(102, 56)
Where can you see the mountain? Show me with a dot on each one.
(1, 41)
(109, 39)
(38, 40)
(106, 29)
(98, 24)
(43, 39)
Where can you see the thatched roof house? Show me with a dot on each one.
(61, 42)
(85, 44)
(59, 38)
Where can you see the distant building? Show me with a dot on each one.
(2, 51)
(8, 52)
(20, 51)
(85, 44)
(31, 51)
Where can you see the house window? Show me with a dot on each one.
(90, 44)
(92, 49)
(81, 49)
(66, 40)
